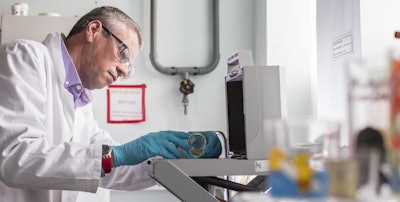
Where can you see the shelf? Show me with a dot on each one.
(175, 175)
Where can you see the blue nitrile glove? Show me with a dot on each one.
(213, 146)
(161, 143)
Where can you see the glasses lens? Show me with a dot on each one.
(130, 71)
(123, 53)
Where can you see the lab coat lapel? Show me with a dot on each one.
(53, 43)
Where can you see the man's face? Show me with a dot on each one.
(104, 59)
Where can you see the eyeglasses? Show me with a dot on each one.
(124, 54)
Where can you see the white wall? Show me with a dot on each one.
(277, 33)
(379, 21)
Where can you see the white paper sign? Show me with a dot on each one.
(125, 103)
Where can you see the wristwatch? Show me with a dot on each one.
(106, 158)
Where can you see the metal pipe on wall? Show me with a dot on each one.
(183, 70)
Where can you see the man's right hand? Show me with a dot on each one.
(163, 143)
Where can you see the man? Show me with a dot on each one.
(50, 145)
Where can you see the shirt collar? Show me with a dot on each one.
(72, 81)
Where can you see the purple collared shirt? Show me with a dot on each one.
(72, 81)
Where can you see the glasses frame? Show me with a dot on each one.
(126, 61)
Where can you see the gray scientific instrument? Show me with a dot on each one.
(254, 94)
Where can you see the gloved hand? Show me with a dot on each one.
(213, 146)
(163, 143)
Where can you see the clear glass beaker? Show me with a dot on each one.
(197, 144)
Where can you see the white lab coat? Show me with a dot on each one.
(45, 144)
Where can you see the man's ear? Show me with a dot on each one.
(93, 29)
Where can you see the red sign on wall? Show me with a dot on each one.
(126, 103)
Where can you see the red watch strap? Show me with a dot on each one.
(106, 163)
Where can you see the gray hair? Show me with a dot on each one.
(110, 17)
